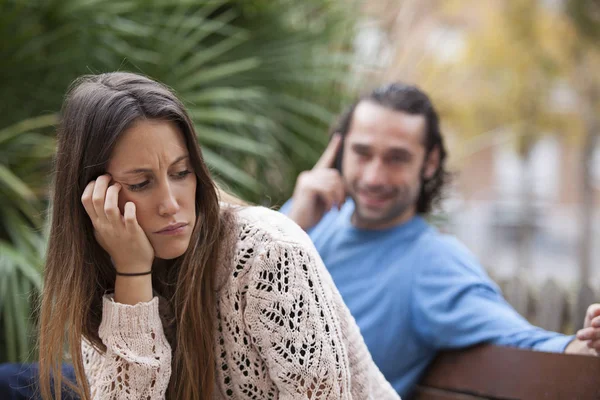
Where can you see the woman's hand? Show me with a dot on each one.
(120, 235)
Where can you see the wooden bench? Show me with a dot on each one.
(502, 373)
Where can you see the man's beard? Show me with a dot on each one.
(403, 200)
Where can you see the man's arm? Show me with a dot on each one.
(455, 305)
(317, 190)
(577, 346)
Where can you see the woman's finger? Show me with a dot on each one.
(129, 216)
(86, 200)
(111, 204)
(99, 196)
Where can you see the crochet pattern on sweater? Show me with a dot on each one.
(283, 331)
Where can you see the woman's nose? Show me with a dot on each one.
(168, 204)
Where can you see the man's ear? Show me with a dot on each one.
(432, 163)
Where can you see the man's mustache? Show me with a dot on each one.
(380, 190)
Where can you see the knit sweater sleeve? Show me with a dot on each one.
(294, 324)
(137, 361)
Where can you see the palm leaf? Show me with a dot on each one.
(27, 266)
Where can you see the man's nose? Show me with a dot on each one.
(374, 173)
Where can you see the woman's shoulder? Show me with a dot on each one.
(260, 232)
(265, 226)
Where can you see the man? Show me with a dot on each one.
(412, 290)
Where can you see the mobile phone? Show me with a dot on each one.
(337, 163)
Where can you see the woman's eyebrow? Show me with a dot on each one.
(179, 159)
(142, 170)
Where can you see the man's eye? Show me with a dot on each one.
(182, 174)
(138, 186)
(400, 159)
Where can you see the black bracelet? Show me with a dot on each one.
(133, 273)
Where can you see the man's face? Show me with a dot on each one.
(384, 163)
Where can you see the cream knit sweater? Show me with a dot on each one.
(283, 331)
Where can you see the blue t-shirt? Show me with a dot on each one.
(414, 291)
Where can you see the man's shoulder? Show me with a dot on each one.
(443, 249)
(436, 242)
(329, 221)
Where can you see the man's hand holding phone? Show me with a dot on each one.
(320, 189)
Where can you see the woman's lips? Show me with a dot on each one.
(175, 229)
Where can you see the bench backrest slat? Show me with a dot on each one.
(493, 372)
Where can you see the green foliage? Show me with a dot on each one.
(24, 153)
(261, 81)
(586, 16)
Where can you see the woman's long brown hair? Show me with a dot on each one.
(78, 272)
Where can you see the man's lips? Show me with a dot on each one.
(373, 199)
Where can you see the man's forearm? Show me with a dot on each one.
(577, 346)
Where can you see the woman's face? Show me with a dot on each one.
(151, 162)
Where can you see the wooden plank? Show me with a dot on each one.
(508, 373)
(425, 393)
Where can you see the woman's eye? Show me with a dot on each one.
(182, 174)
(138, 186)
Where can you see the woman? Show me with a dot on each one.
(161, 290)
